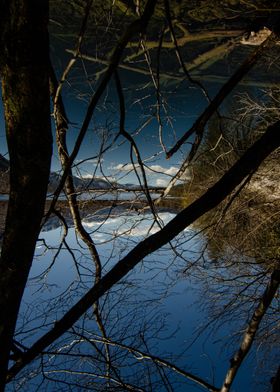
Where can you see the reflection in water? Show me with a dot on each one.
(182, 303)
(156, 309)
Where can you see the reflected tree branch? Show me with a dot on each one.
(134, 147)
(61, 128)
(247, 164)
(135, 27)
(141, 356)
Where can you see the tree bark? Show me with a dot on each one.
(251, 330)
(24, 66)
(246, 165)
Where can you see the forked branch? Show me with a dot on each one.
(247, 164)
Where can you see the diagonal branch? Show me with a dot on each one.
(192, 37)
(141, 355)
(251, 330)
(132, 68)
(134, 147)
(247, 164)
(138, 26)
(227, 88)
(61, 130)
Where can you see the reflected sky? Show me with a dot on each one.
(181, 106)
(158, 281)
(182, 109)
(181, 103)
(156, 286)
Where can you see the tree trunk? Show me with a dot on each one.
(246, 165)
(24, 65)
(252, 329)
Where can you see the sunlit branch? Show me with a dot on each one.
(61, 128)
(247, 164)
(192, 37)
(141, 356)
(200, 123)
(143, 71)
(109, 366)
(126, 386)
(211, 56)
(134, 147)
(156, 77)
(159, 98)
(251, 330)
(135, 27)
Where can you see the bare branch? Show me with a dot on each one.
(143, 71)
(251, 330)
(200, 123)
(141, 355)
(247, 164)
(135, 27)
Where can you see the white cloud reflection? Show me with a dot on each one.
(156, 169)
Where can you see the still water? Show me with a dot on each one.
(157, 307)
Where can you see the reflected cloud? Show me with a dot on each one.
(157, 169)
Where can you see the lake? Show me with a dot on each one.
(139, 123)
(159, 308)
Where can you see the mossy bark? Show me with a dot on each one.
(24, 65)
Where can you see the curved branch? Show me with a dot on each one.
(247, 164)
(140, 355)
(61, 130)
(138, 26)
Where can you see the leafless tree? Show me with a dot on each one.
(84, 336)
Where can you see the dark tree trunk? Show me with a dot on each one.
(24, 70)
(275, 381)
(245, 166)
